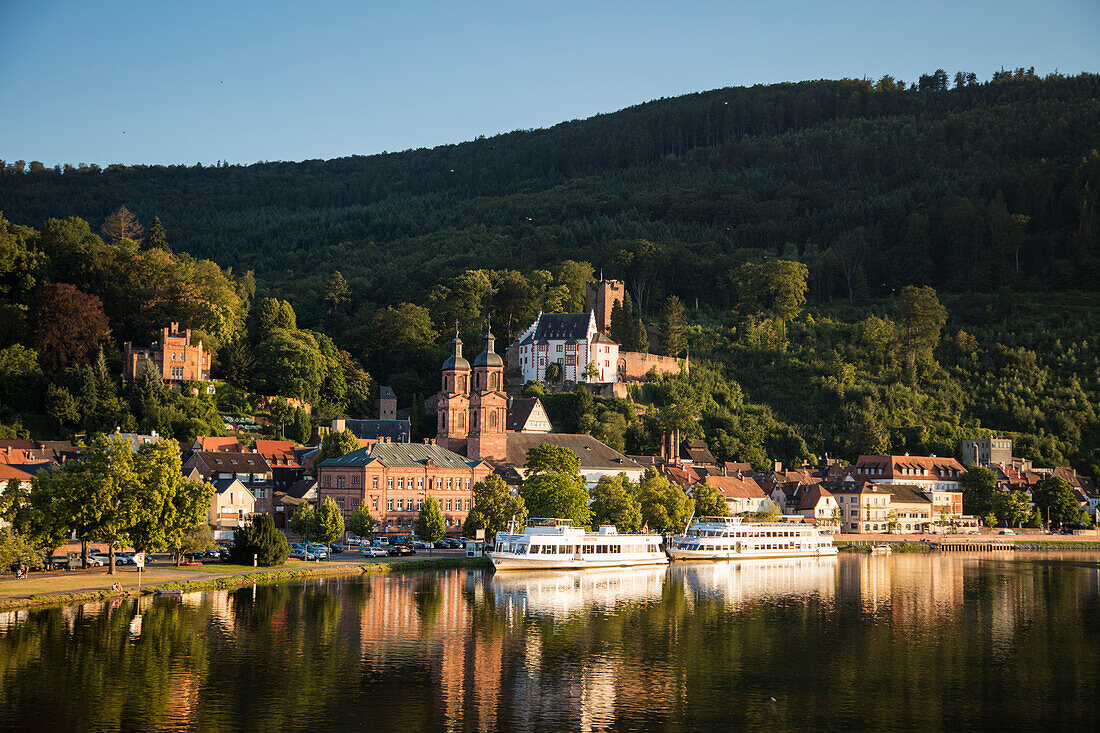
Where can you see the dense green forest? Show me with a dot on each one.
(986, 192)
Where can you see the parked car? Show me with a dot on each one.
(375, 552)
(124, 558)
(318, 551)
(454, 544)
(401, 550)
(300, 554)
(442, 545)
(1006, 531)
(421, 545)
(336, 548)
(100, 557)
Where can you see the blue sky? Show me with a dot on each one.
(184, 82)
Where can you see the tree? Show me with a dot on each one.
(401, 331)
(672, 326)
(553, 487)
(546, 458)
(640, 342)
(615, 502)
(158, 238)
(892, 519)
(338, 443)
(122, 225)
(771, 513)
(836, 517)
(198, 538)
(336, 296)
(1012, 507)
(710, 502)
(66, 325)
(978, 485)
(101, 494)
(16, 547)
(327, 523)
(300, 520)
(622, 322)
(920, 320)
(591, 371)
(557, 495)
(168, 505)
(847, 253)
(665, 506)
(301, 427)
(494, 507)
(260, 541)
(642, 260)
(1055, 500)
(60, 405)
(361, 522)
(553, 372)
(429, 521)
(291, 365)
(574, 276)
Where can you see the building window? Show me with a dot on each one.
(389, 505)
(401, 482)
(420, 483)
(374, 503)
(389, 482)
(559, 348)
(467, 505)
(339, 482)
(374, 483)
(467, 486)
(419, 504)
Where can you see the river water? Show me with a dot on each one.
(904, 642)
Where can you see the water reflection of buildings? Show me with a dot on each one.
(736, 583)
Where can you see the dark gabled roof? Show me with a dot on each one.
(906, 494)
(396, 430)
(401, 455)
(234, 462)
(300, 488)
(386, 393)
(594, 455)
(698, 452)
(519, 412)
(559, 326)
(223, 484)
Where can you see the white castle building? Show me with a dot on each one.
(572, 340)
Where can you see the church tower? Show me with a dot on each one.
(488, 405)
(453, 404)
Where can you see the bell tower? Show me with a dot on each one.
(453, 404)
(488, 405)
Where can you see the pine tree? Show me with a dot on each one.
(158, 238)
(672, 326)
(327, 523)
(641, 338)
(260, 541)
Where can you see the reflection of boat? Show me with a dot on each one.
(168, 592)
(746, 580)
(556, 544)
(568, 591)
(880, 549)
(729, 538)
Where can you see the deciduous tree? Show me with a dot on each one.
(429, 524)
(615, 502)
(710, 502)
(494, 507)
(665, 506)
(66, 325)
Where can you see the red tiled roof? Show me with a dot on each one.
(734, 487)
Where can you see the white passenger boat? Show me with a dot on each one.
(731, 538)
(556, 544)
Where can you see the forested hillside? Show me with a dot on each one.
(986, 192)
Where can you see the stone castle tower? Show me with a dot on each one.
(600, 297)
(453, 406)
(472, 408)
